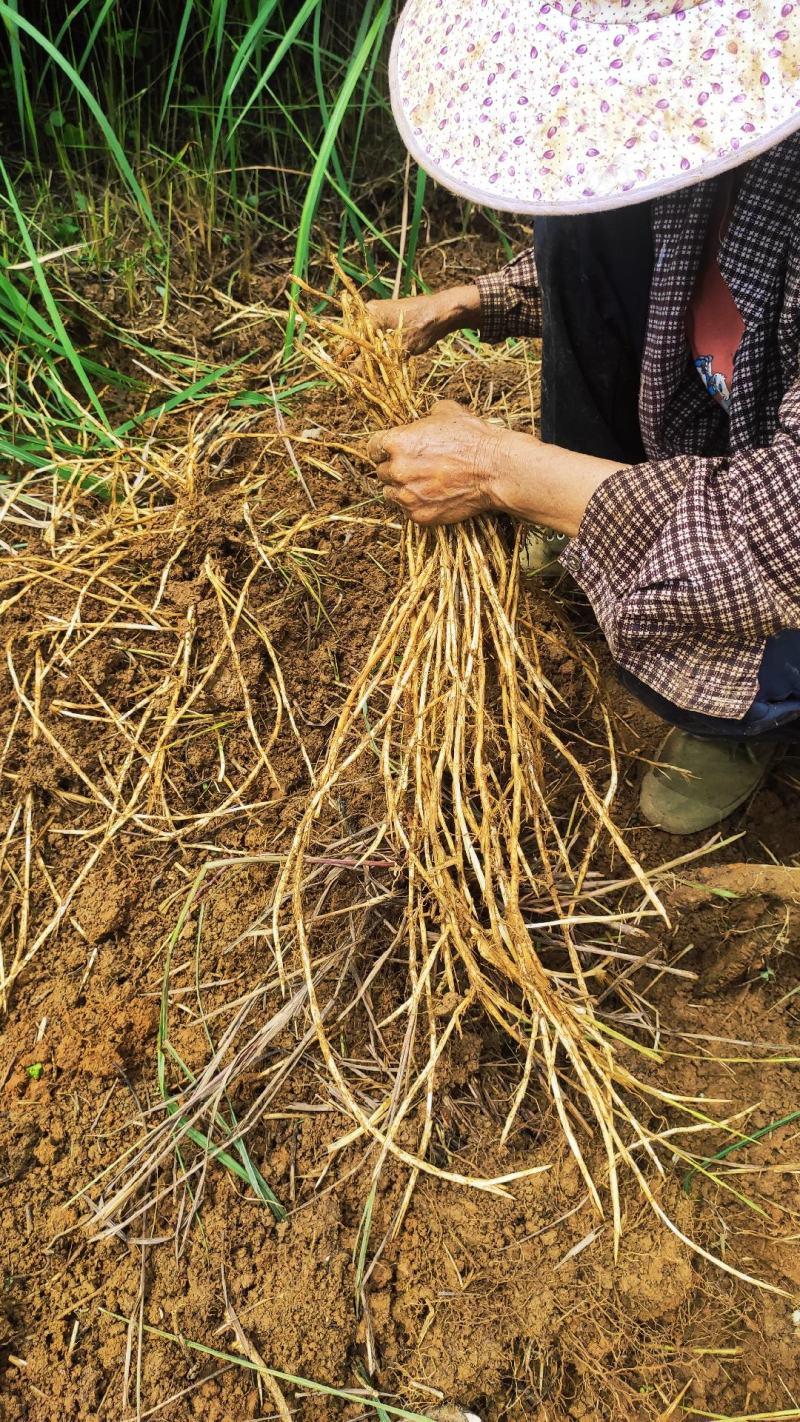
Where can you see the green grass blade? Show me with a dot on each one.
(350, 204)
(316, 54)
(414, 229)
(21, 94)
(176, 56)
(59, 38)
(179, 398)
(51, 305)
(739, 1144)
(305, 1383)
(217, 27)
(93, 33)
(369, 71)
(39, 457)
(280, 52)
(320, 169)
(114, 146)
(238, 67)
(245, 1171)
(257, 1182)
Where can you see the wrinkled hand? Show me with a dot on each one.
(439, 470)
(424, 320)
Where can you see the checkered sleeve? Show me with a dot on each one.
(510, 300)
(690, 563)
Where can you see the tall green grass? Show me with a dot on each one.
(263, 99)
(255, 121)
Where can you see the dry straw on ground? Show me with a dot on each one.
(493, 850)
(103, 630)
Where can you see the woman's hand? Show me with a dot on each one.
(439, 469)
(452, 465)
(424, 320)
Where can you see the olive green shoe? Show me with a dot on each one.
(540, 552)
(699, 782)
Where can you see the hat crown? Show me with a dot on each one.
(580, 105)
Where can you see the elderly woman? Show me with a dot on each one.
(658, 148)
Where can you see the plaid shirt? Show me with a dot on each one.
(693, 559)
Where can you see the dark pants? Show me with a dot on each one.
(594, 274)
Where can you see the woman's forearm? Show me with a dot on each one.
(424, 320)
(542, 483)
(452, 465)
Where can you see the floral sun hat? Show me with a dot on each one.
(561, 106)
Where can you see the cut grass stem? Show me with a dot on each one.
(360, 1399)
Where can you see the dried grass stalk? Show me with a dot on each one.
(454, 701)
(91, 603)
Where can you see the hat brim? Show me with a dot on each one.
(564, 112)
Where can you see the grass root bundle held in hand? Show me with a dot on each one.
(453, 711)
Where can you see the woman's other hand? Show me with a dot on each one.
(424, 320)
(439, 470)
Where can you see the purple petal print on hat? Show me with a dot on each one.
(617, 81)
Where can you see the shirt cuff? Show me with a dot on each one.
(494, 317)
(510, 300)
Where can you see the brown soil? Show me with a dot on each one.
(510, 1306)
